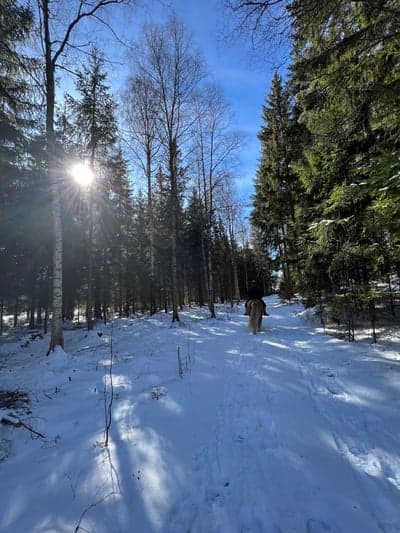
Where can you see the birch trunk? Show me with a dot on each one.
(151, 232)
(57, 336)
(174, 247)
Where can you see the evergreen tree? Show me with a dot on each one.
(345, 82)
(169, 60)
(192, 244)
(276, 185)
(15, 26)
(346, 74)
(95, 130)
(93, 110)
(119, 224)
(16, 179)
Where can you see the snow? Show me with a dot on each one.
(286, 431)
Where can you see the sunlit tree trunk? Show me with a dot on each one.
(57, 336)
(54, 47)
(174, 212)
(175, 70)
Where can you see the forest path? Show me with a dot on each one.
(291, 448)
(286, 431)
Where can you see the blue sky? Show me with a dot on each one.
(243, 75)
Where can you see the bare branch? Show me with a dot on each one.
(17, 422)
(89, 508)
(111, 29)
(81, 15)
(265, 21)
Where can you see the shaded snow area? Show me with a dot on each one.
(286, 431)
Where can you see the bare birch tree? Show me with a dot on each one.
(58, 19)
(142, 110)
(169, 60)
(215, 146)
(231, 212)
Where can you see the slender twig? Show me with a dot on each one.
(180, 368)
(91, 506)
(32, 430)
(108, 407)
(18, 423)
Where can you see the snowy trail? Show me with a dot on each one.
(288, 431)
(274, 462)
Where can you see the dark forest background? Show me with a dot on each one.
(325, 210)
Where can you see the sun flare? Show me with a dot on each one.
(82, 174)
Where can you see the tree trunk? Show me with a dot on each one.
(57, 337)
(174, 268)
(236, 290)
(89, 301)
(32, 313)
(39, 319)
(16, 310)
(151, 233)
(372, 314)
(246, 272)
(98, 285)
(174, 212)
(106, 281)
(211, 305)
(1, 317)
(392, 307)
(46, 320)
(204, 262)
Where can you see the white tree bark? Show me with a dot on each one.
(54, 48)
(175, 70)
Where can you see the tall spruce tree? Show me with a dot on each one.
(346, 72)
(119, 229)
(345, 81)
(15, 178)
(94, 124)
(277, 186)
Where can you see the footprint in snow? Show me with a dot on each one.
(317, 526)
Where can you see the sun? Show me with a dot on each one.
(82, 174)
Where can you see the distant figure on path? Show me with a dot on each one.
(255, 293)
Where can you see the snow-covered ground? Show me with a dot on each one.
(286, 431)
